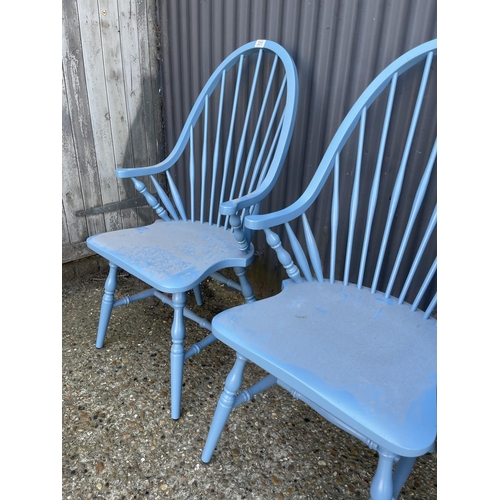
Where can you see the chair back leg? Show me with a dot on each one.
(197, 295)
(246, 287)
(224, 406)
(401, 474)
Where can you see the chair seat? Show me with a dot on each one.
(171, 256)
(364, 359)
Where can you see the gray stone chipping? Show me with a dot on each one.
(119, 442)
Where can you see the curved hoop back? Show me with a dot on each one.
(371, 206)
(234, 141)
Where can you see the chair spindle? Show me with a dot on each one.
(355, 196)
(417, 202)
(298, 253)
(241, 146)
(204, 155)
(164, 198)
(312, 249)
(229, 144)
(153, 202)
(418, 256)
(215, 163)
(334, 218)
(376, 180)
(399, 179)
(176, 196)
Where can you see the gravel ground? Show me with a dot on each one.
(119, 442)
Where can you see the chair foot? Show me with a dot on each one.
(177, 354)
(108, 300)
(224, 407)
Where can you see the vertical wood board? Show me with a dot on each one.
(112, 113)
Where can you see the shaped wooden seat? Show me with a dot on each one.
(232, 147)
(352, 332)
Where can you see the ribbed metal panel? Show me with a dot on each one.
(338, 46)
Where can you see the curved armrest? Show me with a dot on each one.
(125, 173)
(287, 214)
(231, 207)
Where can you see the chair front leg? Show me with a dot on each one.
(177, 353)
(224, 407)
(108, 299)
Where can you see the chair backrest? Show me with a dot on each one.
(234, 141)
(371, 205)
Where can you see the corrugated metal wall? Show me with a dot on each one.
(111, 114)
(339, 46)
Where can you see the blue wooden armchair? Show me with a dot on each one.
(353, 333)
(232, 147)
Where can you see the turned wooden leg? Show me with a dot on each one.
(108, 299)
(401, 473)
(224, 406)
(177, 353)
(246, 287)
(381, 488)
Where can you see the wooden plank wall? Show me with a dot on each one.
(111, 113)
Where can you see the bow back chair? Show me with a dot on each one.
(231, 147)
(353, 331)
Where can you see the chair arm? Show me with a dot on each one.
(125, 173)
(231, 207)
(272, 219)
(169, 161)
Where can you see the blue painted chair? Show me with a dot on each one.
(232, 147)
(352, 333)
